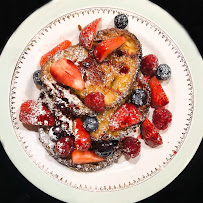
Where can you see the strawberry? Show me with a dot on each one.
(150, 134)
(106, 47)
(158, 96)
(82, 137)
(66, 72)
(86, 157)
(34, 113)
(125, 116)
(62, 46)
(88, 32)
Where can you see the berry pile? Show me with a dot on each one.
(162, 117)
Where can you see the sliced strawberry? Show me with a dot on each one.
(125, 116)
(66, 72)
(34, 113)
(158, 96)
(86, 157)
(88, 32)
(62, 46)
(82, 137)
(106, 47)
(150, 134)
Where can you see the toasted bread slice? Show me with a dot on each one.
(103, 131)
(116, 74)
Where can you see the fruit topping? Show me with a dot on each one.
(55, 133)
(125, 116)
(62, 46)
(104, 148)
(158, 96)
(149, 65)
(86, 157)
(66, 72)
(121, 21)
(161, 118)
(131, 146)
(163, 72)
(88, 32)
(106, 47)
(36, 77)
(34, 113)
(82, 137)
(139, 97)
(150, 134)
(90, 124)
(65, 146)
(95, 101)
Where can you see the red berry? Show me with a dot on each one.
(65, 146)
(34, 113)
(149, 65)
(66, 72)
(125, 116)
(88, 32)
(131, 146)
(106, 47)
(150, 134)
(95, 101)
(82, 137)
(161, 118)
(85, 157)
(158, 95)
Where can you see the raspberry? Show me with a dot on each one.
(95, 101)
(161, 118)
(131, 146)
(65, 146)
(149, 65)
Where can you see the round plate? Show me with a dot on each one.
(124, 179)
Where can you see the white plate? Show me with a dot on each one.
(121, 181)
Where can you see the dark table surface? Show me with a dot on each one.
(187, 187)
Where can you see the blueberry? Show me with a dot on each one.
(139, 97)
(104, 148)
(90, 124)
(55, 133)
(121, 21)
(36, 77)
(163, 72)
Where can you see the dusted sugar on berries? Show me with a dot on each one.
(131, 146)
(162, 117)
(65, 146)
(95, 101)
(149, 65)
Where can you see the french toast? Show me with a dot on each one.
(93, 98)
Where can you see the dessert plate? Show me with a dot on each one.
(125, 181)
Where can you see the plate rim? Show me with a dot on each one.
(30, 171)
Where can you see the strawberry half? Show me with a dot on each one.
(88, 32)
(125, 116)
(158, 96)
(34, 113)
(82, 137)
(86, 157)
(106, 47)
(62, 46)
(66, 72)
(150, 134)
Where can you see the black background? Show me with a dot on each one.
(186, 188)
